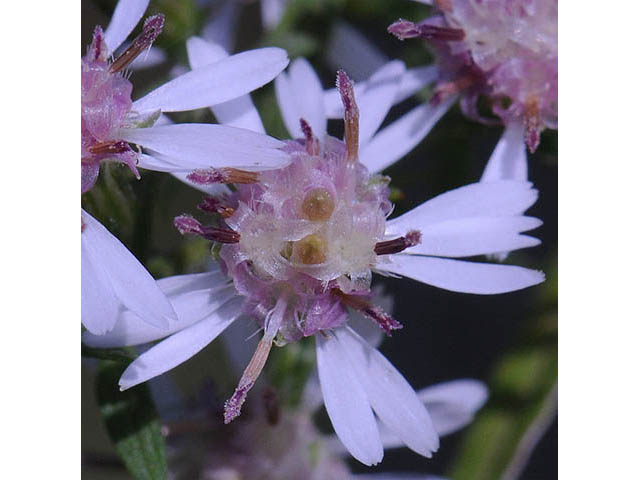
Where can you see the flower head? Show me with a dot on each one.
(507, 50)
(300, 244)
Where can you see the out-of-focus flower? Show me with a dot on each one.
(300, 245)
(111, 120)
(504, 49)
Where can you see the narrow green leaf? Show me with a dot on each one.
(132, 423)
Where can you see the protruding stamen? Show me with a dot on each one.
(533, 124)
(397, 245)
(318, 204)
(311, 250)
(358, 302)
(187, 224)
(404, 29)
(273, 321)
(351, 115)
(222, 175)
(151, 29)
(215, 205)
(312, 145)
(110, 147)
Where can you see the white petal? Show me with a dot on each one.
(413, 80)
(509, 159)
(343, 41)
(466, 237)
(400, 137)
(239, 112)
(197, 145)
(272, 12)
(453, 404)
(99, 304)
(494, 199)
(221, 24)
(131, 283)
(300, 95)
(347, 403)
(125, 17)
(393, 400)
(459, 276)
(192, 303)
(180, 346)
(151, 58)
(224, 80)
(376, 99)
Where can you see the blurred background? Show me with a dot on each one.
(508, 341)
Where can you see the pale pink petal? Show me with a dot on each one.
(509, 159)
(197, 145)
(394, 401)
(377, 97)
(347, 403)
(400, 137)
(224, 80)
(124, 19)
(272, 12)
(466, 237)
(460, 276)
(413, 80)
(99, 304)
(198, 297)
(239, 112)
(180, 346)
(343, 41)
(496, 199)
(453, 404)
(300, 95)
(131, 283)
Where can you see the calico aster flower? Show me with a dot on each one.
(297, 248)
(111, 122)
(504, 49)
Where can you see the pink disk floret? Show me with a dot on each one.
(106, 100)
(509, 52)
(284, 253)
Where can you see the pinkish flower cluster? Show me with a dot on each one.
(106, 102)
(505, 49)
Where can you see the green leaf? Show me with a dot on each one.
(132, 423)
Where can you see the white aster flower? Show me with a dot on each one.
(300, 245)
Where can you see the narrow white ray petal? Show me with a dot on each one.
(400, 137)
(466, 237)
(393, 400)
(180, 346)
(376, 99)
(219, 82)
(509, 159)
(495, 199)
(272, 12)
(300, 95)
(221, 24)
(99, 304)
(131, 283)
(197, 145)
(343, 41)
(193, 298)
(347, 403)
(239, 112)
(454, 404)
(125, 17)
(413, 80)
(151, 58)
(460, 276)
